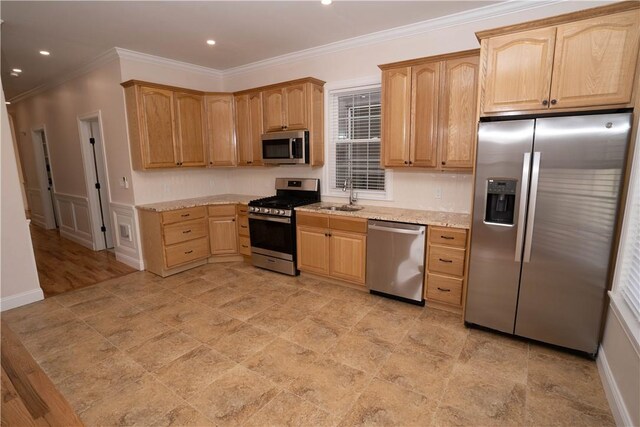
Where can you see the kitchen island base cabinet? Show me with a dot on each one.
(332, 246)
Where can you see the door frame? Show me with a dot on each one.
(90, 179)
(47, 196)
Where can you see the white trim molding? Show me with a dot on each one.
(124, 222)
(618, 408)
(75, 219)
(23, 298)
(166, 62)
(35, 207)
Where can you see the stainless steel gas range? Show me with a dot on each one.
(272, 223)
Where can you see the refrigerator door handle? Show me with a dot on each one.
(524, 185)
(535, 174)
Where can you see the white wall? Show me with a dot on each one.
(19, 282)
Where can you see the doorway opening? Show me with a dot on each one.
(45, 178)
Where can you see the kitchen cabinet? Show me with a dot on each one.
(428, 112)
(292, 105)
(445, 271)
(564, 63)
(249, 128)
(174, 241)
(244, 241)
(223, 232)
(165, 126)
(220, 129)
(332, 246)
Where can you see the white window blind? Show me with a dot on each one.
(354, 140)
(629, 264)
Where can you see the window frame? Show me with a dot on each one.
(372, 82)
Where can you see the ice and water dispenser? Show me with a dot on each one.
(501, 201)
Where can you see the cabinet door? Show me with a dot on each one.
(243, 130)
(223, 236)
(425, 93)
(595, 61)
(396, 111)
(348, 254)
(255, 129)
(313, 250)
(159, 148)
(222, 149)
(189, 129)
(295, 102)
(518, 71)
(273, 105)
(458, 118)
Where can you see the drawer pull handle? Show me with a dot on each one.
(445, 260)
(185, 215)
(444, 289)
(188, 252)
(243, 226)
(447, 237)
(186, 231)
(244, 246)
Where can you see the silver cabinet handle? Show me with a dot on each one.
(396, 230)
(524, 185)
(533, 193)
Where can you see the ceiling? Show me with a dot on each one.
(75, 32)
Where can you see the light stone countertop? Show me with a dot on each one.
(413, 216)
(221, 199)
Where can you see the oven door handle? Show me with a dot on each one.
(270, 218)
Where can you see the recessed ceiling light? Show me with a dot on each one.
(14, 74)
(211, 42)
(17, 70)
(7, 102)
(326, 2)
(45, 52)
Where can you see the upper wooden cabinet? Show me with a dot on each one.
(220, 133)
(428, 111)
(566, 62)
(165, 126)
(249, 128)
(285, 108)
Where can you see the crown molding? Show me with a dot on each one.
(166, 62)
(99, 61)
(480, 14)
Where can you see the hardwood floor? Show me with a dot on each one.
(29, 398)
(64, 265)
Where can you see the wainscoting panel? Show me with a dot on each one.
(75, 221)
(126, 242)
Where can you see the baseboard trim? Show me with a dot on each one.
(616, 403)
(129, 260)
(23, 298)
(73, 236)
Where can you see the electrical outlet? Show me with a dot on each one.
(438, 192)
(124, 183)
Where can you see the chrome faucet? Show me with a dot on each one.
(353, 197)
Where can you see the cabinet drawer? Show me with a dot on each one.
(183, 231)
(355, 225)
(312, 220)
(242, 209)
(447, 260)
(444, 289)
(222, 210)
(245, 245)
(448, 236)
(243, 225)
(182, 253)
(183, 214)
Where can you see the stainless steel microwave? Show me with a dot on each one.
(288, 147)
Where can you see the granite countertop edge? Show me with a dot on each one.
(220, 199)
(412, 216)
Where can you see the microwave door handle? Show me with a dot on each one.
(292, 148)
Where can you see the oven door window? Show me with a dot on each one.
(275, 149)
(272, 236)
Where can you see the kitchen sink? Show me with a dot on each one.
(343, 208)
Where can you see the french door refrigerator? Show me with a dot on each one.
(546, 201)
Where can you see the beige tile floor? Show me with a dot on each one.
(228, 345)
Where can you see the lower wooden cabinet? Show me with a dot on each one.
(244, 241)
(445, 276)
(332, 246)
(223, 231)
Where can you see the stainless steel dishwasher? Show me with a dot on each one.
(395, 260)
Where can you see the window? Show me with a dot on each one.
(354, 142)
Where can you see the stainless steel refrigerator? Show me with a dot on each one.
(546, 200)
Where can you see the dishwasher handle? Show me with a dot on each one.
(397, 230)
